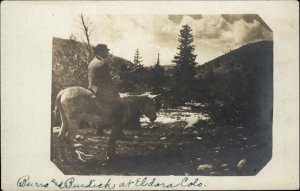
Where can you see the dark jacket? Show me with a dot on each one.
(100, 81)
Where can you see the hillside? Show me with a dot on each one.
(259, 54)
(243, 79)
(69, 64)
(61, 45)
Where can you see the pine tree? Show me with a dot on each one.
(137, 72)
(185, 60)
(184, 70)
(158, 76)
(158, 62)
(137, 60)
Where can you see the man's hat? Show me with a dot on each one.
(100, 48)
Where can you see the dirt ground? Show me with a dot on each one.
(183, 141)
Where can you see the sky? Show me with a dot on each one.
(153, 34)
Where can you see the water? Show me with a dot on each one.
(179, 114)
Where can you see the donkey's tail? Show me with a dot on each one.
(59, 116)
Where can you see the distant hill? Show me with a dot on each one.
(168, 69)
(250, 55)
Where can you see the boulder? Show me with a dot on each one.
(241, 164)
(205, 167)
(79, 137)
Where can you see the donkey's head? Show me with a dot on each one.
(149, 109)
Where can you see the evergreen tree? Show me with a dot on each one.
(158, 76)
(184, 70)
(185, 60)
(137, 60)
(138, 71)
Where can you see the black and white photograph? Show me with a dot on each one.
(149, 95)
(163, 95)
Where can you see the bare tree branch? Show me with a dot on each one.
(87, 32)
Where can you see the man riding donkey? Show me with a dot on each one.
(101, 84)
(101, 105)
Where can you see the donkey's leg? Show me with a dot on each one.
(111, 148)
(73, 126)
(62, 141)
(117, 113)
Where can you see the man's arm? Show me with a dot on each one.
(92, 77)
(93, 88)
